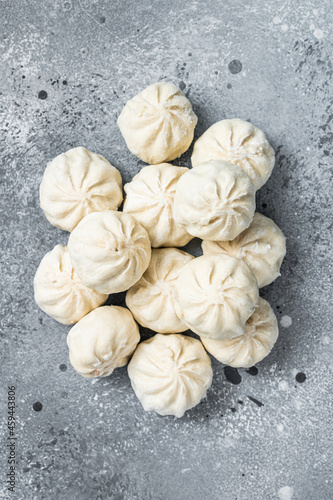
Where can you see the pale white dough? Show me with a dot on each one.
(215, 295)
(150, 197)
(150, 299)
(214, 201)
(77, 183)
(260, 334)
(109, 251)
(59, 291)
(158, 123)
(262, 245)
(170, 373)
(102, 341)
(240, 143)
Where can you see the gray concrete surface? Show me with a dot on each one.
(67, 68)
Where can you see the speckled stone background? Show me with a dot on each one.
(67, 69)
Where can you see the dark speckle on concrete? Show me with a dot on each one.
(300, 377)
(235, 66)
(63, 367)
(232, 375)
(253, 371)
(37, 406)
(255, 401)
(42, 94)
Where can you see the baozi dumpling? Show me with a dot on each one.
(260, 334)
(262, 245)
(215, 295)
(109, 251)
(77, 183)
(170, 374)
(214, 201)
(240, 143)
(150, 299)
(102, 341)
(150, 197)
(158, 123)
(59, 291)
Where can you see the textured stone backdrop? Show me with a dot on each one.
(67, 69)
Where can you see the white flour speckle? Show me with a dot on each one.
(286, 321)
(284, 27)
(283, 385)
(318, 34)
(286, 493)
(276, 20)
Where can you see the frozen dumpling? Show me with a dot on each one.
(158, 123)
(77, 183)
(170, 374)
(110, 251)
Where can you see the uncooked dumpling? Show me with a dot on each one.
(215, 295)
(257, 341)
(59, 291)
(102, 341)
(150, 197)
(109, 251)
(150, 299)
(238, 142)
(170, 374)
(158, 124)
(77, 183)
(215, 201)
(262, 245)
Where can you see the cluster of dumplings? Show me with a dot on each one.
(169, 291)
